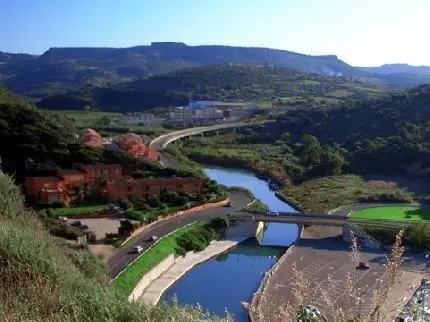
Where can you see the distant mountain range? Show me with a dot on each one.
(398, 69)
(60, 69)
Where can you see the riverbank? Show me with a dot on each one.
(322, 194)
(182, 265)
(319, 254)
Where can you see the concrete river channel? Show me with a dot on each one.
(222, 283)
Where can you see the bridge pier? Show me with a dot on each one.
(245, 229)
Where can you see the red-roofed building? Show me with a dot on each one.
(95, 174)
(46, 190)
(69, 184)
(143, 188)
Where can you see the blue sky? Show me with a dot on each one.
(361, 32)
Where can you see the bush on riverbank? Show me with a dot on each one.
(257, 207)
(417, 235)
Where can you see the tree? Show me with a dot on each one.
(154, 201)
(332, 162)
(310, 151)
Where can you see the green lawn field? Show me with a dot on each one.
(398, 213)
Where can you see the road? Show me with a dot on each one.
(159, 143)
(119, 261)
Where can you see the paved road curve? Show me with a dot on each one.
(125, 255)
(159, 143)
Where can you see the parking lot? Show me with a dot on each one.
(102, 226)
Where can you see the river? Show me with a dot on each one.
(227, 280)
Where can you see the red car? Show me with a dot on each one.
(363, 265)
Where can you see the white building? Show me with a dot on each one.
(138, 118)
(209, 113)
(181, 114)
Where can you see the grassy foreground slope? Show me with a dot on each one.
(42, 279)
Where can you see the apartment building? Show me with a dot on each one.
(143, 188)
(138, 118)
(66, 185)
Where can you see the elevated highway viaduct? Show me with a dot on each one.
(161, 142)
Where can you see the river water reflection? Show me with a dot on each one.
(222, 283)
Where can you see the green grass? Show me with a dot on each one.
(399, 213)
(323, 194)
(257, 207)
(195, 237)
(78, 210)
(127, 281)
(85, 118)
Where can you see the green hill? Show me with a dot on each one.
(386, 135)
(219, 82)
(61, 69)
(49, 141)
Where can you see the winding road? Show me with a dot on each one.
(125, 255)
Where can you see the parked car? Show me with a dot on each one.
(76, 223)
(272, 213)
(229, 204)
(138, 249)
(363, 265)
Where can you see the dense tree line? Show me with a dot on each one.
(383, 136)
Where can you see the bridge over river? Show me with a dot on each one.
(312, 219)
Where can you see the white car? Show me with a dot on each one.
(272, 213)
(138, 249)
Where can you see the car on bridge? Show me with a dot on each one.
(272, 213)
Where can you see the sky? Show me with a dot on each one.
(360, 32)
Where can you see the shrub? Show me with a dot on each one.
(125, 203)
(154, 201)
(135, 215)
(87, 263)
(219, 223)
(63, 229)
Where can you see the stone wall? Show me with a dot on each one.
(152, 275)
